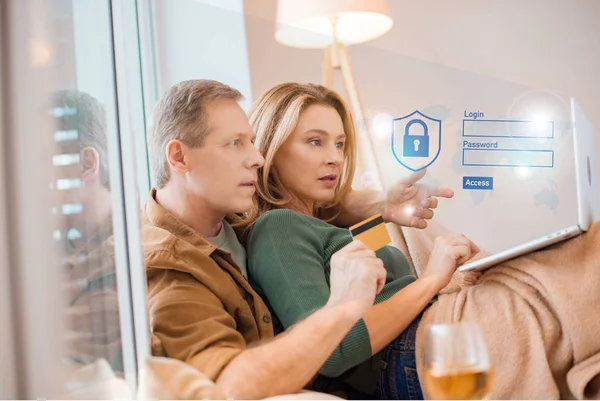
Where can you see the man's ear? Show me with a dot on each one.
(176, 156)
(90, 163)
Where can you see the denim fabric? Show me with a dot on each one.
(399, 378)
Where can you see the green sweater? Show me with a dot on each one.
(288, 265)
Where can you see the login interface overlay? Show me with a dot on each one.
(518, 144)
(516, 178)
(513, 173)
(507, 143)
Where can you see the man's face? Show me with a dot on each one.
(223, 171)
(87, 204)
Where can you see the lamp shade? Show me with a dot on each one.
(309, 23)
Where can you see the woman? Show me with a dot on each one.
(306, 135)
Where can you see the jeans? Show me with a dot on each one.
(399, 379)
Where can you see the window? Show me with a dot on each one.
(72, 99)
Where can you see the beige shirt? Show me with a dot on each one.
(202, 310)
(227, 239)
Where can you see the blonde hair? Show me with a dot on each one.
(180, 114)
(273, 118)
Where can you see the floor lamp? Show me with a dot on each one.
(333, 25)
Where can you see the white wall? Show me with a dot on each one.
(202, 39)
(503, 57)
(542, 44)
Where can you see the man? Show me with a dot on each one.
(202, 309)
(93, 310)
(86, 207)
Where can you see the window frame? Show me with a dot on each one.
(32, 302)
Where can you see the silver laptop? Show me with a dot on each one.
(587, 197)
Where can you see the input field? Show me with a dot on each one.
(508, 158)
(508, 128)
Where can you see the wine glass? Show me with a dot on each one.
(457, 365)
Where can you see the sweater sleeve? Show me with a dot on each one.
(399, 274)
(285, 262)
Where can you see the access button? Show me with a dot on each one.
(267, 319)
(485, 183)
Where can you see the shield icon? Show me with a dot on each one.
(416, 140)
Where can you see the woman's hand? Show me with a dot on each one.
(410, 204)
(470, 278)
(449, 252)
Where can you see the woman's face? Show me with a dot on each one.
(310, 162)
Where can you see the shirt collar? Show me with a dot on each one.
(162, 218)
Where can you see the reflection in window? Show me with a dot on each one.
(63, 184)
(69, 135)
(65, 160)
(93, 313)
(72, 208)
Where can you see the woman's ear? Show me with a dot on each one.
(176, 156)
(90, 163)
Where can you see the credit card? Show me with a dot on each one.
(371, 232)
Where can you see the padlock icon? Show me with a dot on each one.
(416, 145)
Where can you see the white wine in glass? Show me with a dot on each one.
(457, 365)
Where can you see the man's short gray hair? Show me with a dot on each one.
(181, 114)
(89, 121)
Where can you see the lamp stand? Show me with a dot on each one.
(336, 57)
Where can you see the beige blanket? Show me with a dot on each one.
(540, 314)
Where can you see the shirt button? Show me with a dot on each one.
(267, 319)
